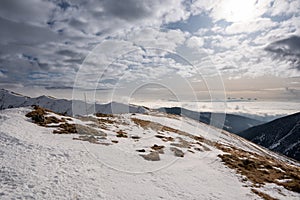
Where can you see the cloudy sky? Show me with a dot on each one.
(167, 49)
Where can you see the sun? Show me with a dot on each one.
(238, 10)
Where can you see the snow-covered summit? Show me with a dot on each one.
(9, 99)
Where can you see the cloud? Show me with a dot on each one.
(56, 35)
(34, 12)
(195, 42)
(287, 49)
(283, 7)
(43, 43)
(260, 24)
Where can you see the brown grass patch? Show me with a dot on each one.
(104, 115)
(91, 139)
(66, 128)
(261, 169)
(106, 121)
(121, 133)
(158, 127)
(263, 195)
(165, 138)
(158, 148)
(38, 117)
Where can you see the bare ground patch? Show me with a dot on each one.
(261, 169)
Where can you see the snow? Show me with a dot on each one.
(10, 99)
(36, 164)
(276, 192)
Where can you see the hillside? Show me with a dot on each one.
(134, 156)
(281, 135)
(233, 123)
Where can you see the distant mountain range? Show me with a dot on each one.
(233, 123)
(9, 99)
(281, 135)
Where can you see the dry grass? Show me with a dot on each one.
(202, 147)
(261, 169)
(66, 128)
(121, 133)
(106, 121)
(182, 143)
(91, 139)
(263, 195)
(104, 115)
(158, 148)
(38, 117)
(147, 124)
(165, 138)
(158, 127)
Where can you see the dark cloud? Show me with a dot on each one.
(29, 11)
(287, 49)
(25, 34)
(128, 9)
(55, 35)
(67, 52)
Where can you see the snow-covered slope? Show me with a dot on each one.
(134, 156)
(281, 135)
(10, 99)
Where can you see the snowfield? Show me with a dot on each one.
(37, 164)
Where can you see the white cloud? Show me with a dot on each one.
(283, 7)
(151, 37)
(239, 11)
(261, 24)
(195, 42)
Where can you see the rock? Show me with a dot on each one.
(177, 152)
(153, 156)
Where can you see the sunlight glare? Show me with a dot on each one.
(238, 10)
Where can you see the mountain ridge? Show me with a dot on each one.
(9, 99)
(281, 135)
